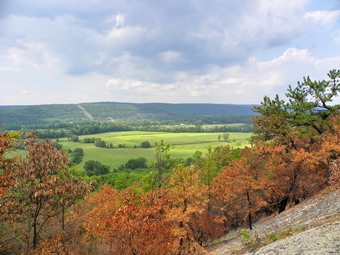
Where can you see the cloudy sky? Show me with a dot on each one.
(175, 51)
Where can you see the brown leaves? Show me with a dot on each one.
(43, 189)
(7, 143)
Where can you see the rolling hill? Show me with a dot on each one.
(62, 113)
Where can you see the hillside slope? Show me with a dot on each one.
(61, 113)
(318, 221)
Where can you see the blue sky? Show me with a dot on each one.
(188, 51)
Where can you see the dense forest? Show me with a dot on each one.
(179, 207)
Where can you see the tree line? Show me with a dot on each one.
(62, 130)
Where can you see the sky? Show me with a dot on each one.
(172, 51)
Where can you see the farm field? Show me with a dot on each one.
(184, 145)
(206, 125)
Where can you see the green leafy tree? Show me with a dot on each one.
(162, 165)
(74, 138)
(100, 143)
(77, 156)
(145, 144)
(90, 140)
(136, 163)
(307, 110)
(225, 137)
(92, 167)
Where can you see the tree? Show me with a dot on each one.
(291, 174)
(188, 198)
(129, 222)
(100, 143)
(145, 144)
(330, 147)
(90, 140)
(7, 143)
(42, 190)
(74, 138)
(225, 137)
(308, 109)
(296, 164)
(77, 156)
(93, 167)
(235, 189)
(136, 163)
(162, 164)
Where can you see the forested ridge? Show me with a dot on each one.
(45, 209)
(54, 115)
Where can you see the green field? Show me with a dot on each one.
(184, 145)
(205, 126)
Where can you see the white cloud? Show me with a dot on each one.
(31, 54)
(170, 56)
(246, 83)
(174, 51)
(196, 35)
(324, 17)
(120, 20)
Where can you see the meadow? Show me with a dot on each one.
(183, 145)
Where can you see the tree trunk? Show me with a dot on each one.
(35, 232)
(283, 203)
(249, 212)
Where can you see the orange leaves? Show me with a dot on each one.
(234, 190)
(168, 223)
(128, 221)
(188, 199)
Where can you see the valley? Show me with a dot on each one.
(183, 145)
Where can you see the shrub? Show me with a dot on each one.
(136, 163)
(245, 237)
(95, 168)
(145, 144)
(74, 138)
(100, 143)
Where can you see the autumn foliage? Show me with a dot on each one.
(294, 154)
(129, 223)
(41, 189)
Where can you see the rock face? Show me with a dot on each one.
(320, 216)
(320, 240)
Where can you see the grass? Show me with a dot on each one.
(183, 145)
(205, 125)
(252, 241)
(273, 237)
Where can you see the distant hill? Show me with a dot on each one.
(61, 113)
(2, 107)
